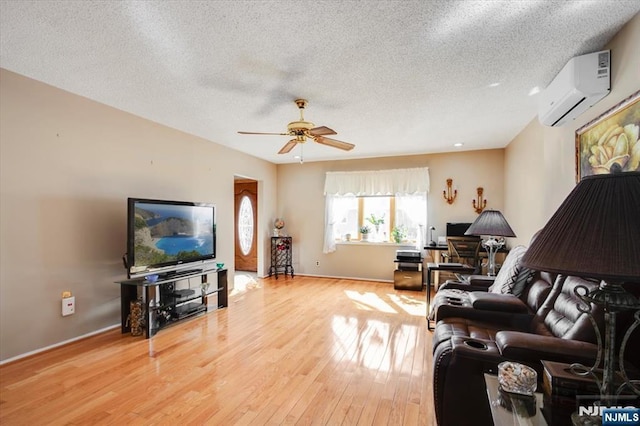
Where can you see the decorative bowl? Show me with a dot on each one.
(517, 378)
(220, 265)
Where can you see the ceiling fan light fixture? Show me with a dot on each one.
(301, 130)
(295, 126)
(288, 146)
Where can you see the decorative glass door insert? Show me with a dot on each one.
(245, 225)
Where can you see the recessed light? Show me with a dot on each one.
(534, 91)
(494, 85)
(458, 145)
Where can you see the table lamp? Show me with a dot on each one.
(492, 224)
(595, 234)
(432, 243)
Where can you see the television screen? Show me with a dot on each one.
(164, 235)
(457, 229)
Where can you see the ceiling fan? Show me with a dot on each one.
(301, 130)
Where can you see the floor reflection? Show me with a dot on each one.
(416, 306)
(374, 344)
(369, 301)
(244, 281)
(413, 305)
(385, 342)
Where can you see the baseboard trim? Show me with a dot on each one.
(345, 278)
(56, 345)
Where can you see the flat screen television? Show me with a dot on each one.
(165, 236)
(457, 229)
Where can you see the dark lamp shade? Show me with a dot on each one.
(595, 233)
(492, 223)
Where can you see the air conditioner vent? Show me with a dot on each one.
(581, 83)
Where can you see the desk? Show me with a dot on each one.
(436, 253)
(432, 267)
(502, 416)
(437, 250)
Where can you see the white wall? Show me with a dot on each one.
(67, 166)
(301, 202)
(540, 161)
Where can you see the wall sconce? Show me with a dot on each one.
(448, 194)
(482, 203)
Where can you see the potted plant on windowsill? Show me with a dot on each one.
(398, 233)
(365, 231)
(376, 221)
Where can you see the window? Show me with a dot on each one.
(405, 212)
(345, 211)
(411, 215)
(374, 210)
(354, 197)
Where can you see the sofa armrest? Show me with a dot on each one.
(529, 347)
(498, 320)
(482, 350)
(481, 280)
(497, 302)
(457, 285)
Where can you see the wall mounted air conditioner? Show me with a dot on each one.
(582, 82)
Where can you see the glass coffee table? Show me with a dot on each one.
(502, 416)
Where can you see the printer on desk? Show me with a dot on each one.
(408, 273)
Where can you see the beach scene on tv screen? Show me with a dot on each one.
(170, 233)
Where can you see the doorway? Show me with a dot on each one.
(246, 227)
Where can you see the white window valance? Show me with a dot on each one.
(378, 182)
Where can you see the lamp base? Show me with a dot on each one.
(492, 246)
(614, 299)
(580, 420)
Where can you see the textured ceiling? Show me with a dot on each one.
(392, 77)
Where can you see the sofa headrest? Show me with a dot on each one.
(538, 290)
(559, 315)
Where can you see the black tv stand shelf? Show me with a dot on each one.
(184, 273)
(163, 304)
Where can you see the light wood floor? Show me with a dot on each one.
(292, 351)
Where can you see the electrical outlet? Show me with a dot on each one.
(317, 263)
(68, 306)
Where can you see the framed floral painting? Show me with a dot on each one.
(611, 138)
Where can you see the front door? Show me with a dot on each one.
(246, 209)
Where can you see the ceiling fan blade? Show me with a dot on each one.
(288, 146)
(321, 131)
(259, 133)
(334, 143)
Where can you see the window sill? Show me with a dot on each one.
(375, 243)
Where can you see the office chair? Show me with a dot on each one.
(465, 250)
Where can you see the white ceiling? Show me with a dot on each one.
(392, 77)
